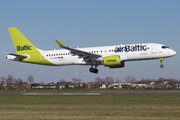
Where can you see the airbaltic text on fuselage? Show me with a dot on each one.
(131, 48)
(22, 48)
(114, 60)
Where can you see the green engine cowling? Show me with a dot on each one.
(113, 61)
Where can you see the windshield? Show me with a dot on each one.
(164, 47)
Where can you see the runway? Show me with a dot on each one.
(94, 94)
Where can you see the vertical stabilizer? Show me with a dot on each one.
(26, 51)
(21, 43)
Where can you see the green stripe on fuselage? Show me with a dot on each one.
(37, 58)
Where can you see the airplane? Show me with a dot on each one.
(109, 56)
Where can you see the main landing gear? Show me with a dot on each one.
(93, 70)
(161, 59)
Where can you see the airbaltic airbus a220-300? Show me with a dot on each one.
(109, 56)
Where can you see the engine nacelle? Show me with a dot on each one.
(113, 61)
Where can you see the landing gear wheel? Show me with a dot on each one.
(161, 65)
(91, 70)
(95, 71)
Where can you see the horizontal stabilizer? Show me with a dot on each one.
(19, 56)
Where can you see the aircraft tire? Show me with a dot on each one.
(91, 70)
(162, 66)
(95, 71)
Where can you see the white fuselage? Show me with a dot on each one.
(109, 56)
(129, 52)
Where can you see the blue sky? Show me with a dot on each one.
(91, 23)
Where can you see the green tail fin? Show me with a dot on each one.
(21, 43)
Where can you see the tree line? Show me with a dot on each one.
(108, 80)
(131, 79)
(19, 82)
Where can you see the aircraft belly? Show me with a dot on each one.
(144, 56)
(62, 62)
(136, 56)
(79, 62)
(68, 61)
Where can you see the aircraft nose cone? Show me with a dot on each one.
(173, 52)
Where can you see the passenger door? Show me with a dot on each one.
(153, 49)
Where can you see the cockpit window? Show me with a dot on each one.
(164, 47)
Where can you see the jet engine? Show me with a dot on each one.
(113, 61)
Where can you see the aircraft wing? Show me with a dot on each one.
(19, 56)
(80, 53)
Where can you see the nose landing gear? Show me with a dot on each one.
(161, 59)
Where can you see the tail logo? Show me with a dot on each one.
(23, 48)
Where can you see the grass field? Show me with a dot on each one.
(89, 107)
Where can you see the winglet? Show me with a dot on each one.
(60, 44)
